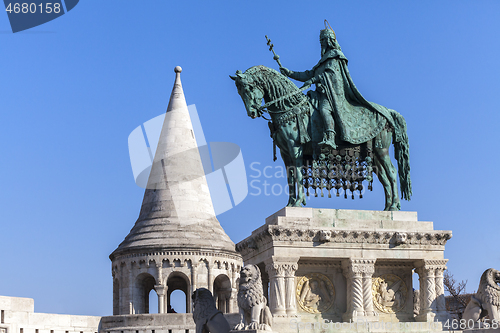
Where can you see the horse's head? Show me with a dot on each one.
(250, 92)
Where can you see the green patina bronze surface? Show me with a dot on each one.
(332, 138)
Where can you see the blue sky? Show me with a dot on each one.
(73, 89)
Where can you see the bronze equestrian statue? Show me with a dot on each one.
(331, 138)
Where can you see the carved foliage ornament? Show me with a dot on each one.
(389, 293)
(315, 293)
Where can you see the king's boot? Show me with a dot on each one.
(328, 140)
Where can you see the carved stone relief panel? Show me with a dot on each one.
(315, 293)
(389, 293)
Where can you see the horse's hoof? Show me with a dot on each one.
(393, 209)
(300, 204)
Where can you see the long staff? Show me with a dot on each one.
(271, 48)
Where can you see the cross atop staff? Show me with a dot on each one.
(271, 48)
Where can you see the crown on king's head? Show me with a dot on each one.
(327, 32)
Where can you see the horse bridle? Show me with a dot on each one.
(261, 110)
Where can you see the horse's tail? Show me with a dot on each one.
(402, 154)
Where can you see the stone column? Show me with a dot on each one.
(432, 301)
(441, 313)
(277, 285)
(290, 298)
(194, 280)
(358, 273)
(161, 291)
(228, 305)
(233, 301)
(189, 302)
(131, 282)
(210, 278)
(159, 273)
(427, 293)
(116, 300)
(367, 288)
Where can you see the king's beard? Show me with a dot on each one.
(323, 50)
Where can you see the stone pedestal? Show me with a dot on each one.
(348, 265)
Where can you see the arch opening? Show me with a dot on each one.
(178, 293)
(152, 301)
(222, 293)
(144, 283)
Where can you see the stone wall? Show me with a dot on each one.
(156, 323)
(18, 316)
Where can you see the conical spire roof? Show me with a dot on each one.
(177, 211)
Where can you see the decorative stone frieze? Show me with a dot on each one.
(276, 233)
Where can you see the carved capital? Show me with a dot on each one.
(161, 290)
(359, 267)
(440, 271)
(431, 267)
(290, 269)
(275, 270)
(281, 268)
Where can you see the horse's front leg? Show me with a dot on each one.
(298, 163)
(290, 179)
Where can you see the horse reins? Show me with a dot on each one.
(265, 106)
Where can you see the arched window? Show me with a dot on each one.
(153, 302)
(178, 301)
(222, 293)
(178, 282)
(144, 283)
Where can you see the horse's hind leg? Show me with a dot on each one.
(384, 162)
(382, 177)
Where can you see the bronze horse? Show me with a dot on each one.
(293, 115)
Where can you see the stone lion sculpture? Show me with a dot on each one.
(254, 312)
(206, 315)
(487, 299)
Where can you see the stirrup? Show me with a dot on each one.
(329, 139)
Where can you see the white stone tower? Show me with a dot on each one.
(177, 241)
